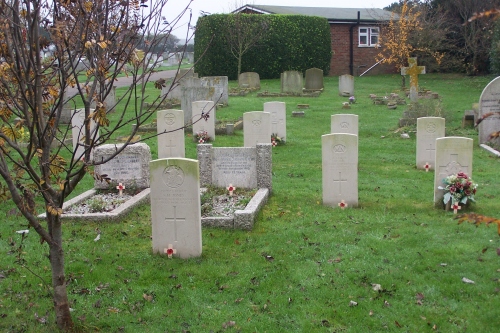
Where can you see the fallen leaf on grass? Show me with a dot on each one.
(466, 280)
(376, 287)
(228, 324)
(386, 303)
(238, 300)
(352, 303)
(113, 310)
(371, 313)
(397, 324)
(498, 251)
(147, 297)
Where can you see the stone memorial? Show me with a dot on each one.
(344, 123)
(428, 130)
(314, 79)
(109, 101)
(130, 167)
(249, 80)
(171, 142)
(489, 102)
(201, 124)
(256, 128)
(413, 71)
(218, 88)
(78, 132)
(292, 82)
(346, 85)
(340, 169)
(175, 207)
(453, 155)
(278, 118)
(173, 88)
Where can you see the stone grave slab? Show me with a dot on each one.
(278, 118)
(256, 128)
(175, 207)
(130, 167)
(489, 102)
(78, 132)
(346, 85)
(314, 79)
(292, 82)
(428, 130)
(453, 155)
(200, 123)
(171, 142)
(340, 169)
(249, 80)
(344, 123)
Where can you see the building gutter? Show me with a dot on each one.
(351, 44)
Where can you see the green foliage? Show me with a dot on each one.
(292, 42)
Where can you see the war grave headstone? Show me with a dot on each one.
(344, 123)
(171, 142)
(314, 79)
(292, 82)
(175, 207)
(78, 132)
(340, 169)
(453, 155)
(346, 85)
(249, 80)
(202, 124)
(241, 167)
(109, 101)
(256, 128)
(428, 130)
(413, 71)
(278, 118)
(489, 102)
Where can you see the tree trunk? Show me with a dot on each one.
(60, 297)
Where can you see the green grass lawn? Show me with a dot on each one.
(302, 267)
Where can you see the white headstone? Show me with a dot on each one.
(344, 123)
(428, 130)
(175, 206)
(340, 169)
(256, 128)
(346, 85)
(278, 118)
(453, 155)
(171, 142)
(489, 102)
(78, 132)
(200, 121)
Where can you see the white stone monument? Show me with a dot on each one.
(344, 123)
(171, 142)
(489, 102)
(278, 118)
(201, 123)
(428, 130)
(256, 128)
(346, 85)
(78, 132)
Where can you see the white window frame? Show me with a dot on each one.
(368, 32)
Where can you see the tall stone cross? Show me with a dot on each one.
(413, 70)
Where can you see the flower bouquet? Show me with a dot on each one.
(458, 188)
(202, 137)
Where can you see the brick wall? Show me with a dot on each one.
(364, 57)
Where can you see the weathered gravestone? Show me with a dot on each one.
(346, 85)
(292, 82)
(489, 103)
(201, 123)
(109, 101)
(175, 207)
(453, 155)
(278, 118)
(173, 88)
(340, 169)
(171, 142)
(314, 79)
(130, 167)
(413, 71)
(249, 80)
(256, 128)
(428, 130)
(344, 123)
(218, 88)
(78, 132)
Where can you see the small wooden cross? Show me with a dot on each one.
(120, 187)
(456, 207)
(169, 251)
(231, 189)
(342, 204)
(427, 167)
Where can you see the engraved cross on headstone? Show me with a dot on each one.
(413, 70)
(340, 181)
(275, 122)
(170, 146)
(431, 151)
(175, 219)
(452, 167)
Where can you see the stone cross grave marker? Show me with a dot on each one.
(340, 169)
(130, 167)
(200, 123)
(344, 123)
(292, 82)
(453, 155)
(249, 80)
(346, 85)
(489, 102)
(78, 132)
(428, 130)
(413, 71)
(171, 142)
(314, 79)
(278, 118)
(256, 128)
(175, 207)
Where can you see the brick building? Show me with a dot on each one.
(355, 34)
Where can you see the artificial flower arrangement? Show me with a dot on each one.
(202, 137)
(458, 188)
(276, 140)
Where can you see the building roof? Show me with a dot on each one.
(341, 15)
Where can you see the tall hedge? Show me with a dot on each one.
(292, 42)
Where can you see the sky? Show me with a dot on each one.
(174, 7)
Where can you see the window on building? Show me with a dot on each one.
(368, 36)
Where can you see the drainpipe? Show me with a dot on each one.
(351, 45)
